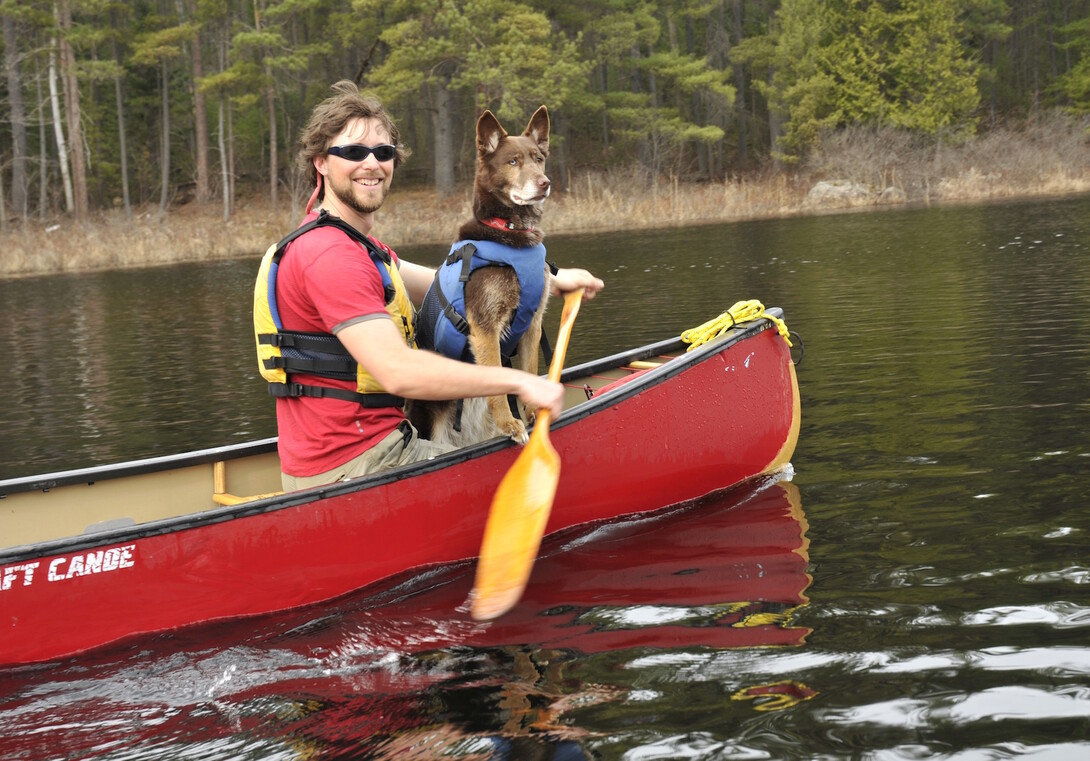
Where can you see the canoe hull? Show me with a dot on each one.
(681, 431)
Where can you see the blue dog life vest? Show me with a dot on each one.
(441, 323)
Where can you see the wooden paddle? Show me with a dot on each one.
(522, 503)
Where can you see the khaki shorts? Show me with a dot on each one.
(402, 447)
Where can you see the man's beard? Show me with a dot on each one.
(346, 194)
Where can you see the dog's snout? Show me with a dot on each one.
(544, 182)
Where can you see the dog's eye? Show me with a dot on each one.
(513, 162)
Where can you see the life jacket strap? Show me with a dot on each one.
(343, 369)
(311, 353)
(322, 392)
(326, 219)
(322, 342)
(466, 257)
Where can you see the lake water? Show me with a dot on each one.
(919, 588)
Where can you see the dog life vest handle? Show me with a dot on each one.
(465, 255)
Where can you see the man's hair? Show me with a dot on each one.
(330, 117)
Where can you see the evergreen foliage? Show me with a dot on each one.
(181, 99)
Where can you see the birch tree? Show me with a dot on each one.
(58, 128)
(72, 111)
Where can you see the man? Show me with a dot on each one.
(339, 410)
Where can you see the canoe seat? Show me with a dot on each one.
(219, 488)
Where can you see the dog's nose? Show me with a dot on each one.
(544, 183)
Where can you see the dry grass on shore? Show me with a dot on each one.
(1050, 157)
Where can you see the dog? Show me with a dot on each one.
(488, 299)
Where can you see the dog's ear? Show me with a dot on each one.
(538, 129)
(489, 133)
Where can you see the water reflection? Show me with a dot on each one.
(118, 365)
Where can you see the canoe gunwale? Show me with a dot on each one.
(117, 535)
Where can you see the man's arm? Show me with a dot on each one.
(416, 374)
(417, 279)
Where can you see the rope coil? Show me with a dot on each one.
(742, 311)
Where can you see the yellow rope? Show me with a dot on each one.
(742, 311)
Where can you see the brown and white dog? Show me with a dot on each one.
(497, 295)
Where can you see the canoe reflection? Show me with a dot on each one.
(728, 571)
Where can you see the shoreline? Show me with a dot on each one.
(414, 216)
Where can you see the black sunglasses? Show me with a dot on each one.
(356, 152)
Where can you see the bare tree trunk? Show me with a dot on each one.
(200, 117)
(740, 84)
(775, 131)
(72, 111)
(119, 97)
(270, 102)
(231, 150)
(605, 112)
(274, 169)
(20, 184)
(223, 159)
(58, 130)
(43, 160)
(164, 192)
(443, 163)
(3, 207)
(224, 141)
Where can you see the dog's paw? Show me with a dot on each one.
(515, 430)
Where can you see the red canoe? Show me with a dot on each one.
(727, 571)
(92, 556)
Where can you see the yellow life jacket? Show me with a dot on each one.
(282, 353)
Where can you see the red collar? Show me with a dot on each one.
(504, 224)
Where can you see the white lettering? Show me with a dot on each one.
(93, 563)
(75, 568)
(11, 573)
(99, 561)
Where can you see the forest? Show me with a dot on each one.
(111, 104)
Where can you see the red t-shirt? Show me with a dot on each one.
(327, 281)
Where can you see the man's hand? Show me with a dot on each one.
(541, 393)
(570, 278)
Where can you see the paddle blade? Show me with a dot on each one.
(516, 523)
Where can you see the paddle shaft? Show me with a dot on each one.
(567, 321)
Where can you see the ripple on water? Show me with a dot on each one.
(1047, 752)
(1004, 703)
